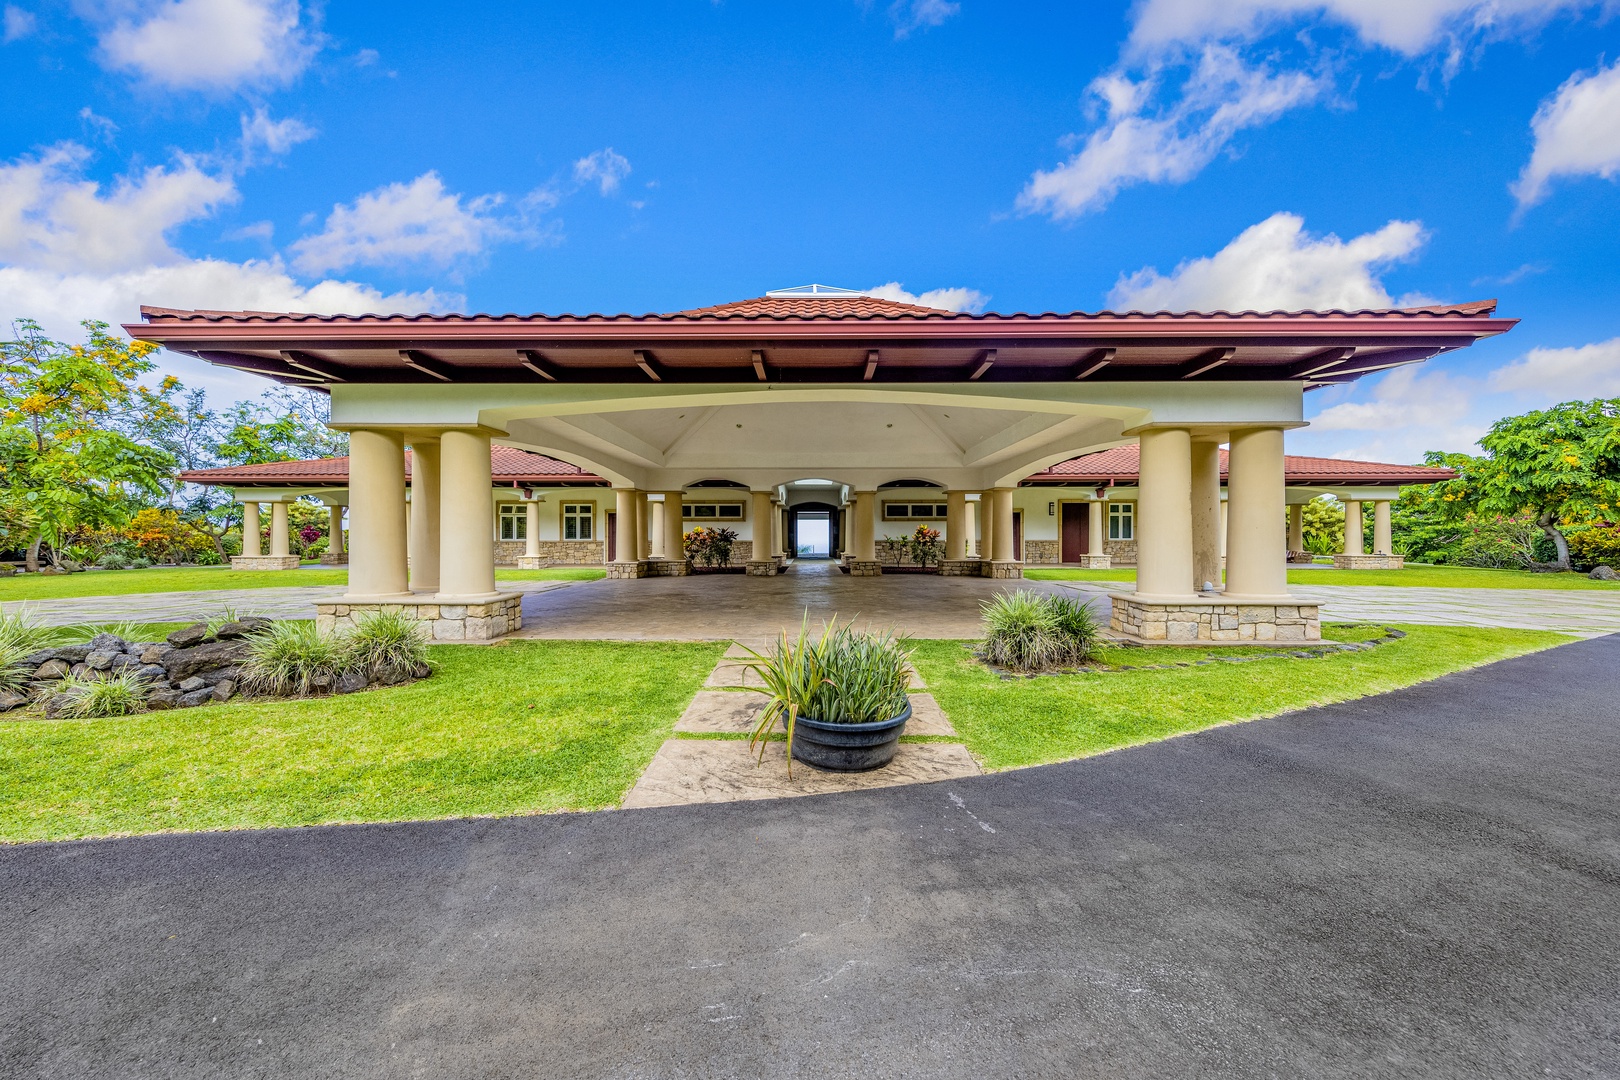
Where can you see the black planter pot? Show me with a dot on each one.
(848, 747)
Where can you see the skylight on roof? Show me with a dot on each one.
(821, 292)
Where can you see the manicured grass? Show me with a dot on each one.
(1013, 722)
(1428, 577)
(207, 578)
(522, 727)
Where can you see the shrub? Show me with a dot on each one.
(924, 547)
(1597, 546)
(710, 547)
(386, 645)
(14, 674)
(205, 557)
(113, 561)
(19, 630)
(1028, 631)
(140, 562)
(93, 699)
(292, 657)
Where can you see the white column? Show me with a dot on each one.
(970, 529)
(779, 519)
(865, 547)
(334, 529)
(655, 529)
(643, 519)
(1164, 554)
(426, 514)
(279, 544)
(377, 515)
(956, 515)
(252, 542)
(467, 516)
(1353, 542)
(624, 525)
(1383, 534)
(762, 511)
(1257, 566)
(531, 529)
(674, 528)
(987, 525)
(1001, 506)
(1296, 527)
(1206, 513)
(1096, 528)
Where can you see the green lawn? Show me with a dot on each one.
(206, 578)
(523, 727)
(1430, 577)
(1013, 722)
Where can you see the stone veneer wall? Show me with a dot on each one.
(564, 552)
(484, 621)
(1370, 562)
(1213, 621)
(1123, 552)
(1037, 552)
(264, 562)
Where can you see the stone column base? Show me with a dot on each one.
(482, 620)
(264, 562)
(532, 562)
(1095, 562)
(639, 568)
(761, 568)
(340, 559)
(1003, 569)
(669, 567)
(1212, 620)
(961, 568)
(779, 561)
(1369, 562)
(865, 568)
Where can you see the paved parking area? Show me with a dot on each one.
(1421, 884)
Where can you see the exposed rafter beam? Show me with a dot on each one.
(1093, 363)
(313, 365)
(1208, 360)
(986, 361)
(1349, 375)
(1380, 361)
(417, 360)
(648, 366)
(531, 359)
(257, 365)
(871, 365)
(759, 366)
(1321, 362)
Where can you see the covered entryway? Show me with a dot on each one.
(813, 530)
(1075, 541)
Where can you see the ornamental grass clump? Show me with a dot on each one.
(847, 677)
(1029, 632)
(292, 658)
(386, 646)
(94, 698)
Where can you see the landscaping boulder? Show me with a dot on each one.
(153, 673)
(108, 643)
(10, 700)
(79, 671)
(163, 698)
(350, 682)
(122, 662)
(70, 654)
(1603, 573)
(196, 697)
(186, 686)
(232, 672)
(100, 660)
(241, 627)
(224, 690)
(52, 669)
(185, 638)
(154, 654)
(182, 663)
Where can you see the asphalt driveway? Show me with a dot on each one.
(1421, 884)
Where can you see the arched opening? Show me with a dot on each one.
(814, 530)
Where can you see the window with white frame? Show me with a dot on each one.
(711, 511)
(1122, 521)
(910, 511)
(513, 520)
(578, 521)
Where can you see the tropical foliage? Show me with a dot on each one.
(710, 546)
(1029, 632)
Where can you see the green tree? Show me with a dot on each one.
(1323, 521)
(1560, 466)
(63, 463)
(285, 424)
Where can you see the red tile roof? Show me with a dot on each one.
(507, 465)
(1122, 465)
(811, 307)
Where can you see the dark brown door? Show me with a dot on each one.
(1018, 536)
(612, 536)
(1075, 534)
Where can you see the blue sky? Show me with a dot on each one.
(649, 157)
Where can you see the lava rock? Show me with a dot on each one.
(123, 662)
(10, 700)
(189, 685)
(232, 672)
(224, 690)
(154, 654)
(185, 638)
(241, 627)
(153, 673)
(56, 704)
(322, 681)
(196, 697)
(79, 671)
(1603, 573)
(100, 660)
(163, 698)
(70, 654)
(422, 671)
(184, 663)
(108, 643)
(52, 669)
(392, 676)
(350, 682)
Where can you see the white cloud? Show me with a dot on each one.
(16, 24)
(957, 298)
(275, 136)
(1405, 26)
(53, 218)
(1276, 264)
(1397, 418)
(1221, 97)
(212, 45)
(1585, 371)
(605, 168)
(416, 222)
(102, 128)
(1577, 133)
(910, 16)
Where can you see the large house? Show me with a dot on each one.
(826, 396)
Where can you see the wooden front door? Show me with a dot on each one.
(612, 536)
(1018, 536)
(1076, 536)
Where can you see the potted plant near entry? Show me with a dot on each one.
(842, 699)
